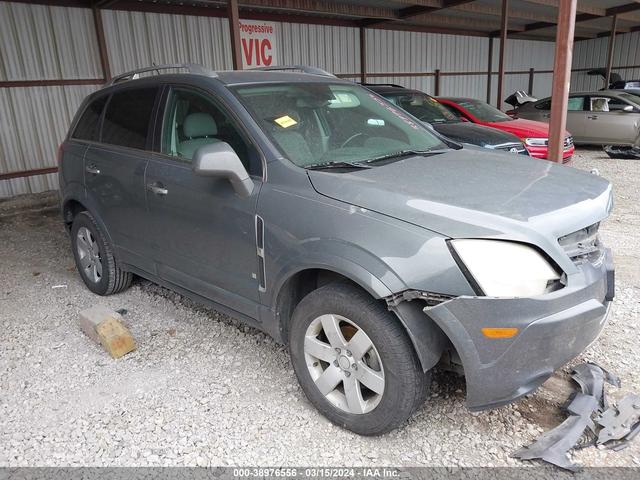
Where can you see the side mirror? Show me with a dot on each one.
(463, 119)
(220, 160)
(628, 108)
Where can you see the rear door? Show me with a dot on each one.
(608, 123)
(203, 234)
(114, 170)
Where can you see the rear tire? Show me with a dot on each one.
(331, 327)
(94, 257)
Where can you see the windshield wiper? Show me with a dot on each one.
(336, 164)
(405, 153)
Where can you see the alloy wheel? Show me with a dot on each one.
(89, 254)
(344, 364)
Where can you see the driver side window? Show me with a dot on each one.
(192, 120)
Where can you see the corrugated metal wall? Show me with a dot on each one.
(136, 39)
(43, 42)
(335, 49)
(593, 54)
(39, 43)
(396, 51)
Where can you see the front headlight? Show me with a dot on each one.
(507, 269)
(536, 142)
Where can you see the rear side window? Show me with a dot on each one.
(128, 116)
(89, 123)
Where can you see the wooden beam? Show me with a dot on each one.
(561, 78)
(234, 32)
(610, 49)
(503, 44)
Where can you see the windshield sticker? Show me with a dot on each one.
(285, 121)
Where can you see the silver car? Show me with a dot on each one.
(608, 117)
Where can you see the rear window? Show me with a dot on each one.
(128, 116)
(89, 124)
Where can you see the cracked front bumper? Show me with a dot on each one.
(552, 329)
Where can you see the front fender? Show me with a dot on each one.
(350, 261)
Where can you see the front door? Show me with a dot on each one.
(608, 123)
(114, 172)
(204, 235)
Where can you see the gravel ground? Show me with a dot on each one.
(204, 390)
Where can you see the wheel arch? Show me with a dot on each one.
(298, 283)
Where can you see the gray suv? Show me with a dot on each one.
(319, 212)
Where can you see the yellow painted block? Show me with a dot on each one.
(115, 337)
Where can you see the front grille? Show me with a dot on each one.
(583, 245)
(568, 142)
(512, 148)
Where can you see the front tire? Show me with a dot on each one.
(355, 361)
(94, 257)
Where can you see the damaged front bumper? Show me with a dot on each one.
(552, 329)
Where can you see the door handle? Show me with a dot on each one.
(157, 188)
(592, 117)
(92, 169)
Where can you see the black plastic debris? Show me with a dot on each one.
(620, 422)
(622, 152)
(591, 420)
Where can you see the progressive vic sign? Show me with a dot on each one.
(258, 42)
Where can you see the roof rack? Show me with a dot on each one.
(302, 68)
(134, 74)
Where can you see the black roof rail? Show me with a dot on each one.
(368, 84)
(302, 68)
(134, 74)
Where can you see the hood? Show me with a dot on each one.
(466, 132)
(475, 192)
(525, 128)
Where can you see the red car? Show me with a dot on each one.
(535, 135)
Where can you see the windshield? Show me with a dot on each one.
(318, 123)
(631, 97)
(422, 106)
(483, 111)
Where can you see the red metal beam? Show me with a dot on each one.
(50, 83)
(503, 45)
(612, 41)
(102, 44)
(561, 78)
(363, 55)
(234, 31)
(28, 173)
(414, 11)
(489, 69)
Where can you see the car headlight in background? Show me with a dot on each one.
(536, 142)
(507, 269)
